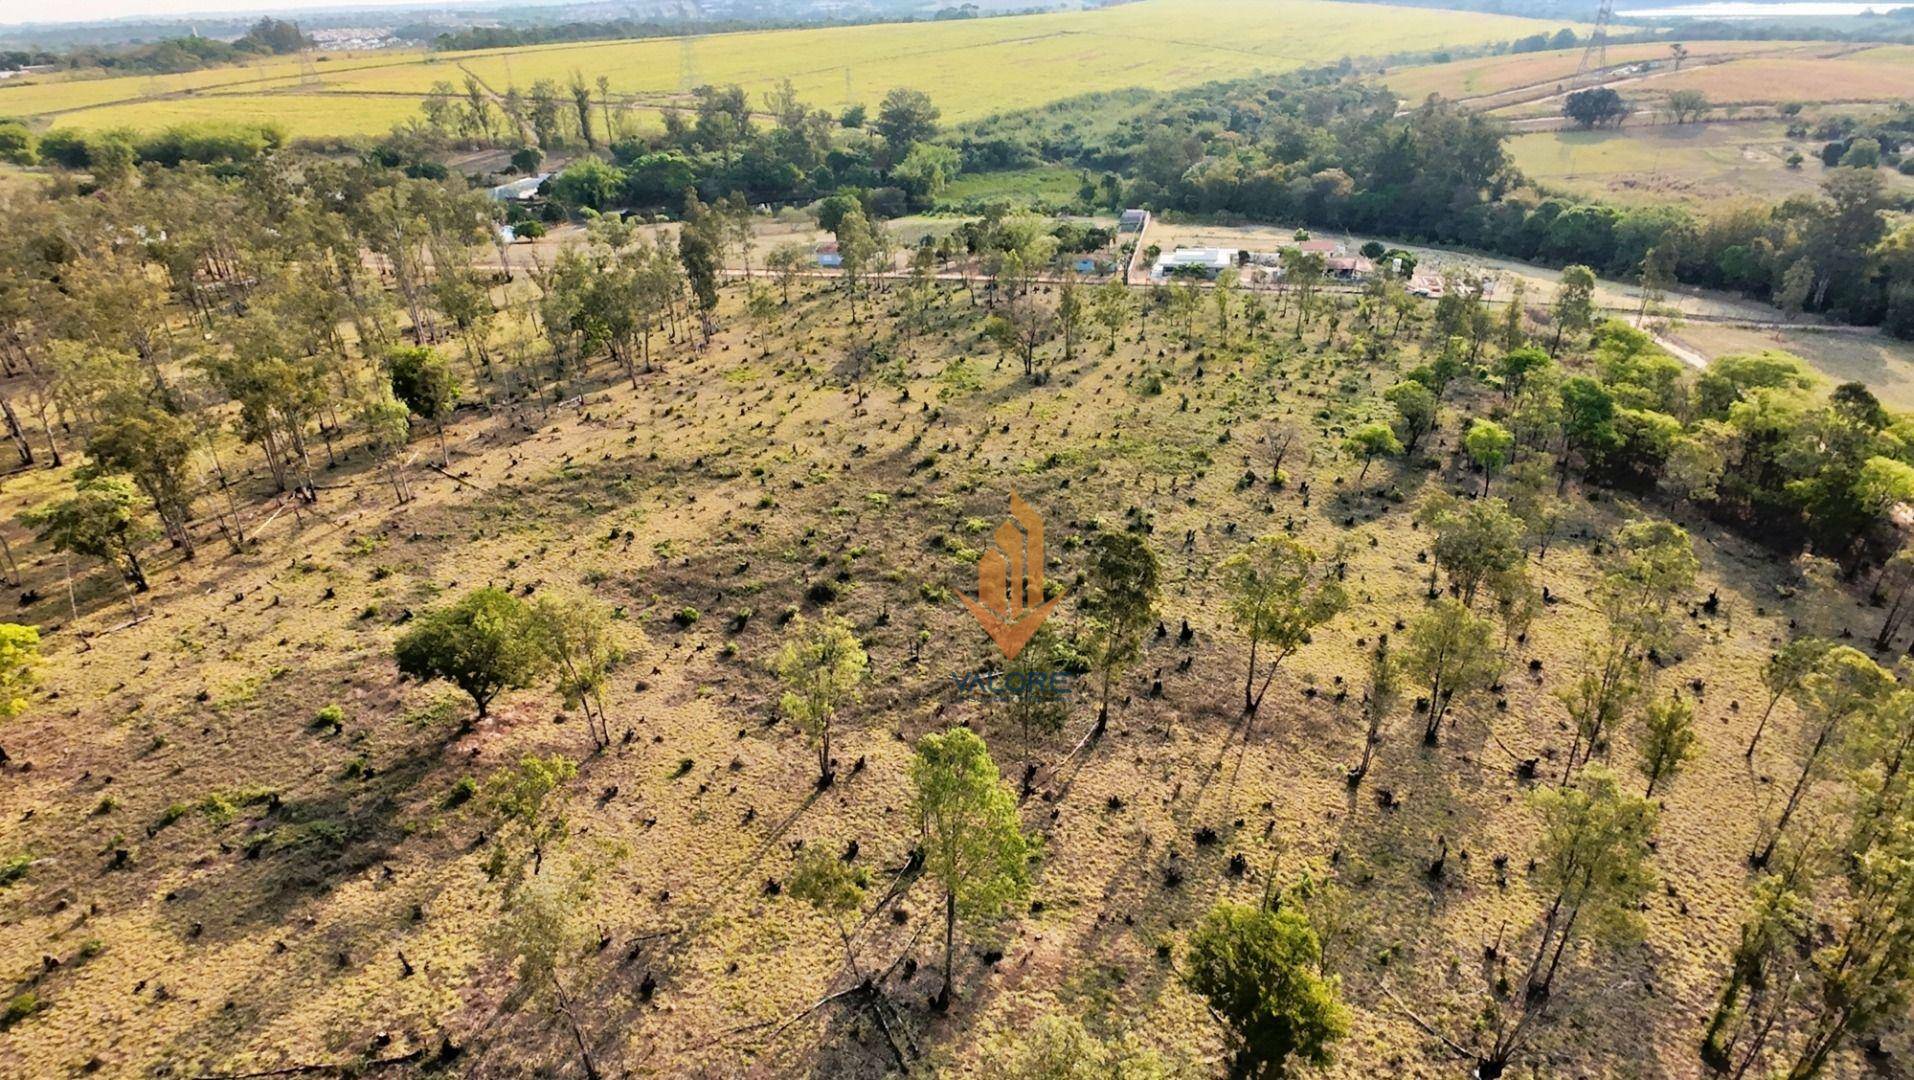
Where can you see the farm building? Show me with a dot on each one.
(520, 190)
(1133, 221)
(1208, 262)
(1320, 247)
(1348, 267)
(827, 255)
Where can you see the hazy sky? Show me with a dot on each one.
(31, 11)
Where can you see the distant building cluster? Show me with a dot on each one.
(353, 38)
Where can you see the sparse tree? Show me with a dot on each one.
(1452, 652)
(578, 635)
(521, 801)
(821, 669)
(1782, 675)
(1369, 441)
(542, 934)
(1278, 594)
(1119, 598)
(1112, 306)
(1843, 687)
(835, 888)
(1378, 700)
(1574, 308)
(1592, 873)
(974, 847)
(1488, 444)
(1667, 740)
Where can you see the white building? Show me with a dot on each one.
(1206, 261)
(520, 190)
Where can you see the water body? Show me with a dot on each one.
(1728, 10)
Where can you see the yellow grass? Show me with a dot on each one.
(966, 66)
(1698, 164)
(1870, 76)
(1484, 75)
(729, 480)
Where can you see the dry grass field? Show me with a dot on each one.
(348, 915)
(1884, 364)
(1490, 76)
(1698, 165)
(1161, 44)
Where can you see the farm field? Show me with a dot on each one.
(1485, 76)
(1155, 43)
(1696, 165)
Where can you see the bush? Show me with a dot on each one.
(17, 144)
(22, 1006)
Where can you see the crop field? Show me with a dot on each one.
(962, 64)
(351, 908)
(1693, 164)
(1490, 75)
(1877, 75)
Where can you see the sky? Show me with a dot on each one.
(13, 12)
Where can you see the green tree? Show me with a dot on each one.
(541, 932)
(101, 519)
(520, 800)
(422, 378)
(1278, 594)
(1667, 740)
(1258, 968)
(1119, 598)
(579, 638)
(483, 644)
(1592, 873)
(1415, 406)
(1836, 695)
(1687, 106)
(1452, 652)
(821, 669)
(1782, 674)
(1475, 540)
(1574, 309)
(1516, 366)
(1370, 440)
(1588, 423)
(974, 848)
(905, 118)
(1488, 445)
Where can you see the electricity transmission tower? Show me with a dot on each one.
(1595, 55)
